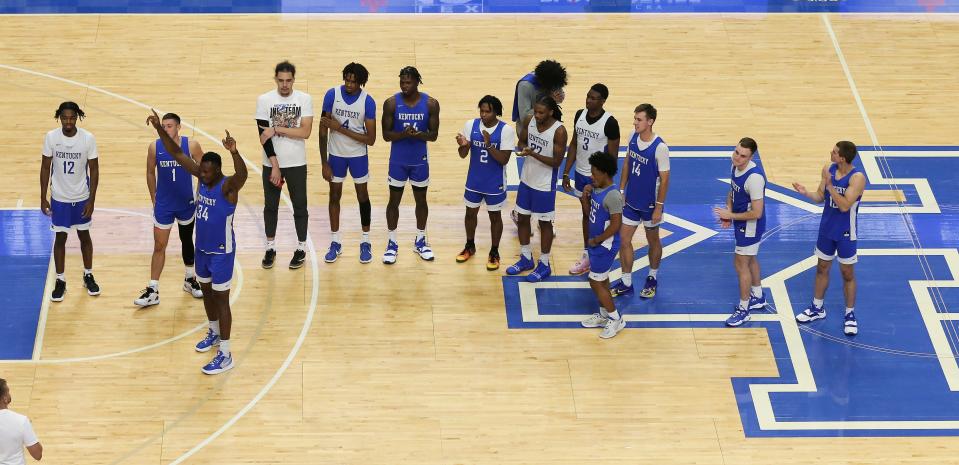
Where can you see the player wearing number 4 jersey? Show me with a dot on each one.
(216, 201)
(841, 189)
(172, 195)
(70, 158)
(488, 142)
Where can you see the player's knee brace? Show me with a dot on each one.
(365, 213)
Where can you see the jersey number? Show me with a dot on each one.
(484, 156)
(635, 169)
(592, 215)
(585, 143)
(202, 212)
(536, 148)
(346, 124)
(68, 167)
(174, 174)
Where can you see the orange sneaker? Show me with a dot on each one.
(465, 255)
(492, 263)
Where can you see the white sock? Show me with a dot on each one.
(544, 258)
(155, 284)
(336, 236)
(365, 238)
(744, 304)
(270, 245)
(614, 315)
(526, 251)
(420, 233)
(189, 272)
(585, 253)
(653, 272)
(225, 347)
(215, 326)
(757, 291)
(817, 303)
(603, 312)
(627, 279)
(61, 277)
(849, 310)
(301, 246)
(392, 234)
(87, 271)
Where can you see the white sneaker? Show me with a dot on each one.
(192, 287)
(595, 321)
(423, 249)
(149, 297)
(613, 327)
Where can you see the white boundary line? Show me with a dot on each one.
(308, 321)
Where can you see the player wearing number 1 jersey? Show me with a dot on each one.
(488, 142)
(172, 194)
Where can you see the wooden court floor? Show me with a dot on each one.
(413, 364)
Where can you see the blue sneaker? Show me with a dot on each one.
(756, 303)
(389, 257)
(649, 289)
(335, 250)
(811, 313)
(850, 327)
(423, 249)
(208, 342)
(618, 288)
(219, 364)
(541, 272)
(740, 315)
(366, 252)
(524, 264)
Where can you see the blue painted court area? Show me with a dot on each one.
(25, 244)
(898, 377)
(477, 6)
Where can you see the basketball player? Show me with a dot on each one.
(842, 184)
(645, 183)
(70, 162)
(217, 197)
(284, 118)
(410, 120)
(548, 78)
(349, 114)
(595, 129)
(746, 213)
(605, 218)
(489, 142)
(542, 138)
(171, 192)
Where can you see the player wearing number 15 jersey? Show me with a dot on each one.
(488, 141)
(172, 193)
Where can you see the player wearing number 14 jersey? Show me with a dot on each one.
(172, 193)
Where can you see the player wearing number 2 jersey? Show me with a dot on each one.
(172, 195)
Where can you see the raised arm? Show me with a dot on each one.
(233, 184)
(171, 147)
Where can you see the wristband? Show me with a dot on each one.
(659, 203)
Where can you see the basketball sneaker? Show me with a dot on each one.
(580, 267)
(91, 284)
(595, 321)
(740, 315)
(59, 288)
(423, 249)
(492, 263)
(211, 339)
(541, 272)
(524, 264)
(850, 326)
(465, 254)
(613, 327)
(811, 313)
(757, 302)
(335, 250)
(219, 364)
(149, 297)
(191, 286)
(299, 257)
(649, 289)
(389, 257)
(366, 252)
(269, 258)
(618, 288)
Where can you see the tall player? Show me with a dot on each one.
(842, 184)
(171, 192)
(410, 120)
(217, 197)
(745, 212)
(284, 117)
(645, 183)
(349, 114)
(70, 159)
(595, 129)
(489, 142)
(542, 138)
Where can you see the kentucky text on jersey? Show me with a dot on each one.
(583, 132)
(411, 116)
(206, 200)
(346, 113)
(539, 142)
(68, 155)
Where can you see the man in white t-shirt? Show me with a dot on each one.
(284, 118)
(70, 169)
(15, 432)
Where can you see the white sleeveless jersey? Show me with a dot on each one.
(69, 178)
(353, 117)
(590, 138)
(536, 174)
